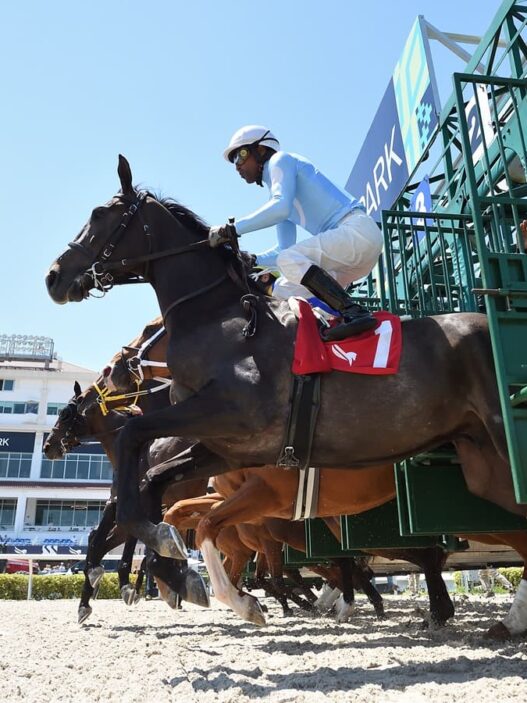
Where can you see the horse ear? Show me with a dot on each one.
(77, 389)
(125, 175)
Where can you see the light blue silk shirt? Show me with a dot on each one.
(300, 195)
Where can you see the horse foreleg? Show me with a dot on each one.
(345, 604)
(274, 555)
(243, 604)
(186, 514)
(128, 592)
(238, 508)
(93, 571)
(139, 580)
(190, 418)
(237, 554)
(295, 576)
(363, 576)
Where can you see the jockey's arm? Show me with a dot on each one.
(286, 231)
(282, 173)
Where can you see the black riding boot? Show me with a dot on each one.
(355, 318)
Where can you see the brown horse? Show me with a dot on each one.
(267, 538)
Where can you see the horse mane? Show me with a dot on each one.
(182, 214)
(190, 220)
(152, 327)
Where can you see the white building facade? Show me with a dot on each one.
(45, 505)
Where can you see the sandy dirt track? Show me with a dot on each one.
(149, 653)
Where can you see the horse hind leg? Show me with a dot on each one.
(515, 622)
(363, 576)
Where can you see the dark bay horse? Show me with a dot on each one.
(232, 387)
(82, 420)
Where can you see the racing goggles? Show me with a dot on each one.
(241, 155)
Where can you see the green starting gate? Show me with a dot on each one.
(468, 254)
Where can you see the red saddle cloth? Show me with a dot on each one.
(374, 352)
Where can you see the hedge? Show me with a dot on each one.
(49, 587)
(511, 573)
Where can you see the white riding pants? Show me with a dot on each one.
(348, 252)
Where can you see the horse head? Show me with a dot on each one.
(123, 240)
(82, 418)
(69, 429)
(143, 359)
(78, 269)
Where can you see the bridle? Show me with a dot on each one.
(136, 363)
(102, 270)
(71, 415)
(135, 366)
(99, 270)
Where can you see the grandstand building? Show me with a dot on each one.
(45, 506)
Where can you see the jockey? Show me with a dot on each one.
(345, 243)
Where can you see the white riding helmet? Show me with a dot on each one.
(251, 134)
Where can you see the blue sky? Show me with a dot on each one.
(166, 84)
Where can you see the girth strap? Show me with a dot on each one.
(296, 450)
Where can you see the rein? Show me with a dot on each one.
(103, 280)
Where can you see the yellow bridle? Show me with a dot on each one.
(105, 396)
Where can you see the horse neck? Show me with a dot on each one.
(175, 277)
(103, 430)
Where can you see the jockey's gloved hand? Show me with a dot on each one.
(221, 235)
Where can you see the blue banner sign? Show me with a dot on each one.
(421, 202)
(401, 131)
(17, 441)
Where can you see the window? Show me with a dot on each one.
(77, 467)
(11, 407)
(6, 384)
(7, 513)
(55, 408)
(68, 513)
(15, 464)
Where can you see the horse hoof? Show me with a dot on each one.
(254, 612)
(343, 610)
(498, 632)
(172, 599)
(137, 598)
(379, 610)
(95, 575)
(168, 542)
(95, 592)
(327, 599)
(128, 594)
(84, 613)
(194, 589)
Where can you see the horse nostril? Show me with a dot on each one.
(106, 371)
